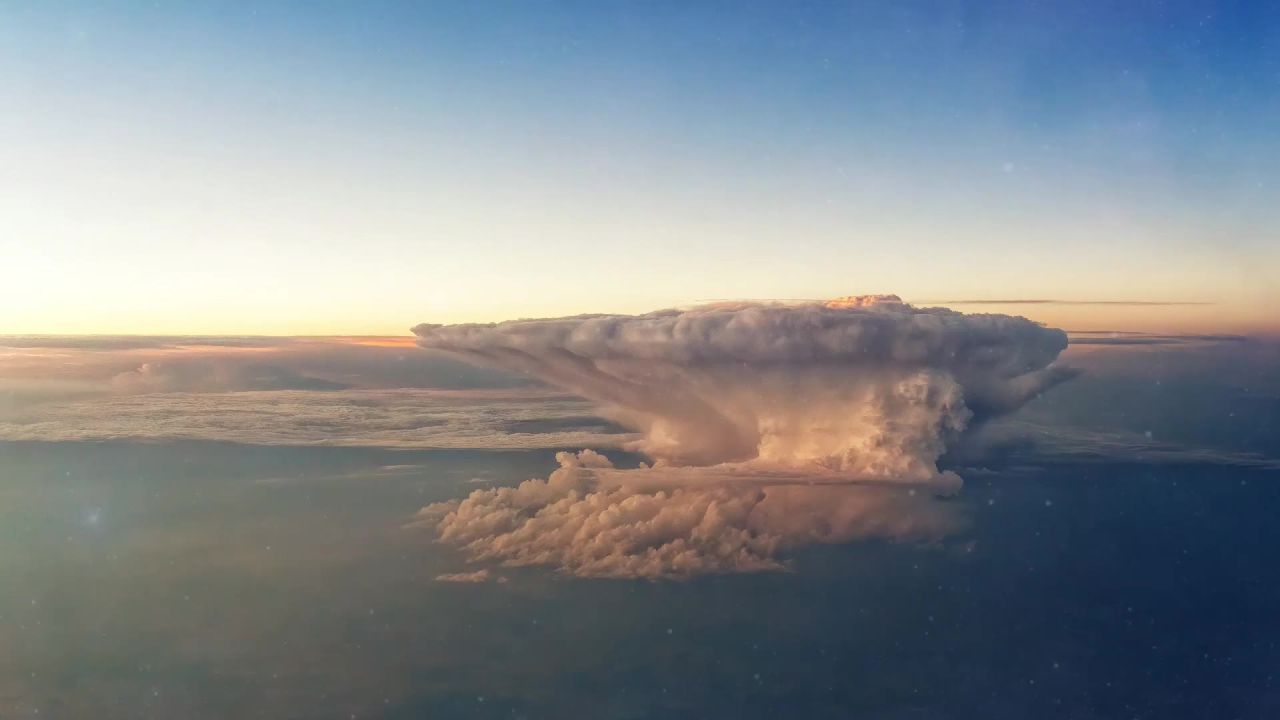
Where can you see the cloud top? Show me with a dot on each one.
(863, 384)
(855, 330)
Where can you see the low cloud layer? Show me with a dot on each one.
(1105, 337)
(400, 418)
(770, 426)
(209, 376)
(54, 368)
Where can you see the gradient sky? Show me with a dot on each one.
(315, 167)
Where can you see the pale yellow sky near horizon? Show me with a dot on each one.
(1075, 316)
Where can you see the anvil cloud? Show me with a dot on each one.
(750, 412)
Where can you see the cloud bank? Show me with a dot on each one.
(494, 419)
(208, 376)
(57, 367)
(770, 426)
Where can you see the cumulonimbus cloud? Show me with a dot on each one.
(770, 425)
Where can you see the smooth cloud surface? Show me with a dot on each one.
(401, 418)
(208, 376)
(770, 426)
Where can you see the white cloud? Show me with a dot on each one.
(771, 426)
(869, 386)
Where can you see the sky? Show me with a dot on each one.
(358, 168)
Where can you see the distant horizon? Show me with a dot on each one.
(1076, 316)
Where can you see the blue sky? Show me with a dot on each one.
(360, 167)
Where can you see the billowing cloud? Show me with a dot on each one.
(400, 418)
(866, 387)
(770, 426)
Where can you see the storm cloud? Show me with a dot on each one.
(769, 426)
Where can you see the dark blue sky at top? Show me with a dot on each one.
(1205, 75)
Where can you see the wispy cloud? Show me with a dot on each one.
(1111, 337)
(478, 576)
(1027, 301)
(973, 301)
